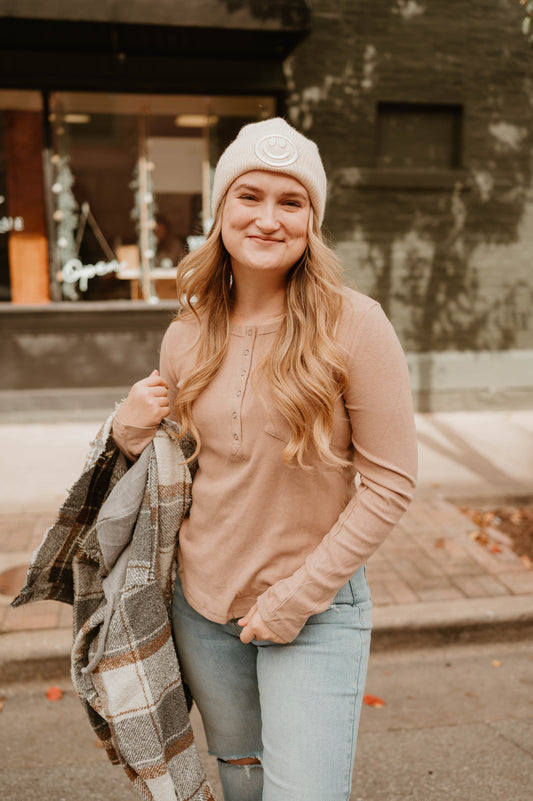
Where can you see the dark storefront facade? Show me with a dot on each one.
(124, 191)
(112, 119)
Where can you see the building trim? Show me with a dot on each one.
(246, 15)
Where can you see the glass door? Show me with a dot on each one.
(131, 188)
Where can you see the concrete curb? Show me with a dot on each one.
(506, 618)
(46, 654)
(26, 655)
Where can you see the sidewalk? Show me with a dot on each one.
(430, 579)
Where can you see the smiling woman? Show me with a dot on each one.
(291, 384)
(264, 227)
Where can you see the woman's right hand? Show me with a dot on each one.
(147, 402)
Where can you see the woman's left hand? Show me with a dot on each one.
(255, 628)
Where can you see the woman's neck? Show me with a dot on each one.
(256, 307)
(255, 318)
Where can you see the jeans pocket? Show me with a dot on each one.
(345, 595)
(360, 588)
(356, 593)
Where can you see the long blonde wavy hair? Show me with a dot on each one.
(305, 368)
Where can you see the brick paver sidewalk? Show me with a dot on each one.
(429, 557)
(20, 534)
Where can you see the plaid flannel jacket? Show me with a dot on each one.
(112, 555)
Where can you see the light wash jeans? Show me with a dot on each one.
(295, 707)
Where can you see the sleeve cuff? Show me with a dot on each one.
(288, 627)
(132, 440)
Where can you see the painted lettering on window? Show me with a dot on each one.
(74, 271)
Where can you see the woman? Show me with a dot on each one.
(292, 385)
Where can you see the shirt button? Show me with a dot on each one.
(250, 332)
(239, 392)
(246, 352)
(243, 372)
(235, 436)
(234, 415)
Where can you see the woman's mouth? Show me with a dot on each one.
(265, 239)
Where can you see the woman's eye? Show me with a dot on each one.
(293, 203)
(247, 197)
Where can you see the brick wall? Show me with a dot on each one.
(448, 252)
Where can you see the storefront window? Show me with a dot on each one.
(6, 222)
(23, 244)
(130, 186)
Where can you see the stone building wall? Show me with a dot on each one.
(424, 115)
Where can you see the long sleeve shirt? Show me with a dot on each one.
(263, 530)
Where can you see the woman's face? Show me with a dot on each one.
(265, 222)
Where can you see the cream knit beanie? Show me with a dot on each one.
(275, 146)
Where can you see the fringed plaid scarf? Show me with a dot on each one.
(111, 554)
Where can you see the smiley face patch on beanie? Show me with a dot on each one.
(277, 151)
(275, 146)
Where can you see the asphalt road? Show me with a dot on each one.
(457, 725)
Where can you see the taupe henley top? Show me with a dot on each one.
(261, 530)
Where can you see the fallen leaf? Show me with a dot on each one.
(495, 548)
(479, 536)
(2, 702)
(476, 516)
(496, 663)
(98, 744)
(373, 700)
(500, 537)
(440, 543)
(54, 694)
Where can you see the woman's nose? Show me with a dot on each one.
(267, 218)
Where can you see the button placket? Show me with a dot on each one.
(242, 373)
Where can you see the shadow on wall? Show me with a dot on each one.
(420, 253)
(430, 196)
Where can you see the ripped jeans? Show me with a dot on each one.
(294, 708)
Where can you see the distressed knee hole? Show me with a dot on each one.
(243, 761)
